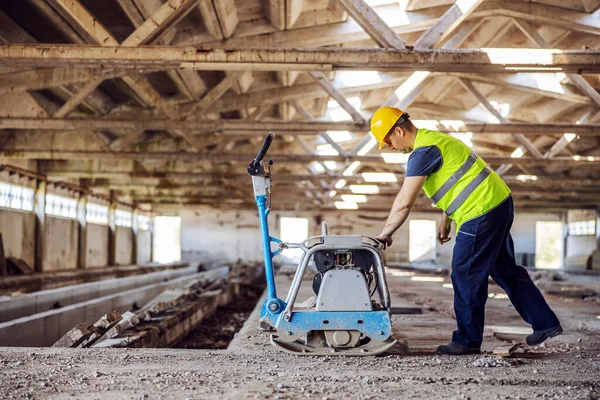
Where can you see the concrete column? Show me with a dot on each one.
(134, 234)
(82, 221)
(151, 229)
(112, 231)
(39, 208)
(598, 228)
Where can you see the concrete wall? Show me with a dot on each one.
(144, 247)
(18, 231)
(523, 234)
(123, 246)
(96, 252)
(61, 244)
(229, 235)
(579, 249)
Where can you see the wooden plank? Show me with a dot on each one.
(506, 351)
(442, 60)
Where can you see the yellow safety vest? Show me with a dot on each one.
(465, 187)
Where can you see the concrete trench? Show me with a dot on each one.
(40, 319)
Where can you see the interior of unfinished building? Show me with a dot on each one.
(157, 242)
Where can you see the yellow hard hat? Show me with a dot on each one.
(382, 122)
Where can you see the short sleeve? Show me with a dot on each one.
(424, 161)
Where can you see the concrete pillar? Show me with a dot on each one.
(112, 231)
(39, 208)
(151, 229)
(598, 227)
(82, 222)
(134, 234)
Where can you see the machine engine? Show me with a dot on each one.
(359, 260)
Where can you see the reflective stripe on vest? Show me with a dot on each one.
(445, 188)
(470, 188)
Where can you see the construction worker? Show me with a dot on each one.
(471, 194)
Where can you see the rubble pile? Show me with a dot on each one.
(169, 317)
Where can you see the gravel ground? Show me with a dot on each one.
(566, 367)
(222, 374)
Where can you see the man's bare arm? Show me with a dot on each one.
(403, 205)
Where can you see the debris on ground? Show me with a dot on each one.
(506, 351)
(494, 362)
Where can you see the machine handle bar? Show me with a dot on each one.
(253, 168)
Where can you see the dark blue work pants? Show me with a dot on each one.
(484, 247)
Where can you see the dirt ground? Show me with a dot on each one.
(566, 367)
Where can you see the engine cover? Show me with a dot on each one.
(343, 290)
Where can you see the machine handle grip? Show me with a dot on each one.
(253, 168)
(265, 146)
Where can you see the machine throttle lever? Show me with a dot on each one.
(254, 166)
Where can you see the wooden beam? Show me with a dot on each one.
(461, 60)
(544, 15)
(127, 140)
(132, 11)
(337, 96)
(214, 94)
(239, 126)
(44, 78)
(293, 10)
(85, 23)
(575, 79)
(526, 143)
(372, 24)
(528, 83)
(275, 12)
(228, 18)
(320, 35)
(155, 26)
(447, 24)
(79, 97)
(584, 162)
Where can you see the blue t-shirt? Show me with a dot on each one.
(424, 161)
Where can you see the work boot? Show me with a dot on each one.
(538, 337)
(456, 349)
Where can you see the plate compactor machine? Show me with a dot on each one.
(350, 314)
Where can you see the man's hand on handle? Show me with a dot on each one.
(385, 239)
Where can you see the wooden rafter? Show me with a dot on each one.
(442, 60)
(293, 127)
